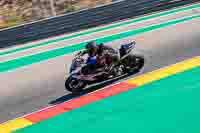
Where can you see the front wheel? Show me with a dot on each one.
(74, 85)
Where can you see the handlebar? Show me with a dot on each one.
(78, 57)
(79, 53)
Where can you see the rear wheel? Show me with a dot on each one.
(74, 85)
(134, 63)
(139, 62)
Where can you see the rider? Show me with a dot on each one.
(91, 49)
(97, 52)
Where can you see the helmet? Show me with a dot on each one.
(92, 48)
(91, 45)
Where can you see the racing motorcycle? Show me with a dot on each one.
(80, 76)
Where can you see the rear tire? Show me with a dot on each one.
(134, 63)
(139, 63)
(74, 85)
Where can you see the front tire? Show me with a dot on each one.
(74, 85)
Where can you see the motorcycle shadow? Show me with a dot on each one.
(91, 88)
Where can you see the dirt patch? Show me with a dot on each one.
(14, 12)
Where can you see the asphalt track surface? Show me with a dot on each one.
(39, 85)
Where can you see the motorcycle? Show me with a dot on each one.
(80, 76)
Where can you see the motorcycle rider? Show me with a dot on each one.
(91, 50)
(100, 56)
